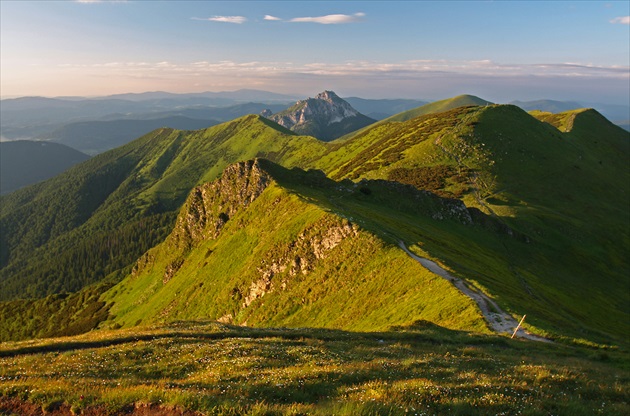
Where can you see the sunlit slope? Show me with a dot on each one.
(564, 194)
(211, 368)
(435, 107)
(266, 246)
(548, 238)
(101, 215)
(439, 107)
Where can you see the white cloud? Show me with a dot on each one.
(273, 18)
(422, 78)
(364, 69)
(623, 20)
(331, 19)
(225, 19)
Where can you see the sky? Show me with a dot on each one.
(499, 50)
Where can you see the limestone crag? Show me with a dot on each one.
(210, 206)
(326, 117)
(299, 256)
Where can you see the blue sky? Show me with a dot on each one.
(500, 50)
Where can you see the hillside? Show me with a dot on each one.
(278, 247)
(618, 114)
(24, 162)
(426, 109)
(101, 215)
(325, 117)
(439, 106)
(541, 186)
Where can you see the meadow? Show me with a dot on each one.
(210, 368)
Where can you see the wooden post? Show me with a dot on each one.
(518, 326)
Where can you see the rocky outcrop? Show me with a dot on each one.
(326, 117)
(207, 209)
(326, 107)
(210, 206)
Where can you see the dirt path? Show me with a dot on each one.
(498, 320)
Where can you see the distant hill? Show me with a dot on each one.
(326, 117)
(380, 109)
(25, 162)
(93, 137)
(243, 95)
(96, 136)
(205, 112)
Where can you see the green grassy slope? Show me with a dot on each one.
(549, 238)
(100, 216)
(563, 193)
(435, 107)
(290, 253)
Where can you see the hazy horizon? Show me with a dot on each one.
(501, 51)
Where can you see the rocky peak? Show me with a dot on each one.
(329, 96)
(328, 107)
(316, 116)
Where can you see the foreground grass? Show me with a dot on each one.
(216, 369)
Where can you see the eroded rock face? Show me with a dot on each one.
(210, 206)
(298, 257)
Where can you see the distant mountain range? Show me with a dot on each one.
(29, 117)
(93, 137)
(247, 222)
(148, 111)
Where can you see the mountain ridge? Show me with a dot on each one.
(541, 219)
